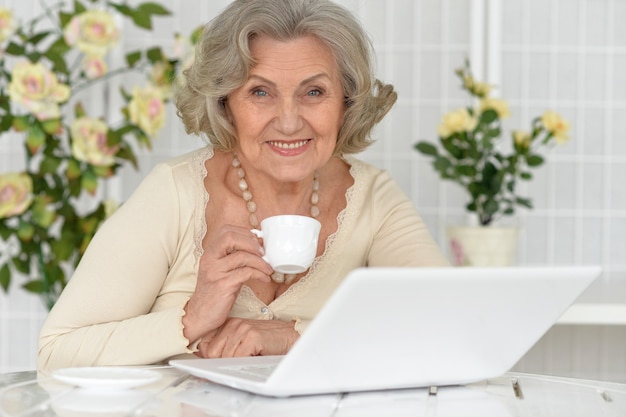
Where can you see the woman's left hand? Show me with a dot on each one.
(245, 337)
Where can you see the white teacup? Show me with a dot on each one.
(290, 242)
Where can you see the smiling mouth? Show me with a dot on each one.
(289, 145)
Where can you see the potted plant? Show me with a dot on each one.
(50, 209)
(472, 153)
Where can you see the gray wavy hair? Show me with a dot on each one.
(223, 59)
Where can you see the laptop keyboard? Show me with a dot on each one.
(261, 371)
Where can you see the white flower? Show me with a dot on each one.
(94, 66)
(89, 142)
(94, 32)
(16, 194)
(38, 89)
(147, 109)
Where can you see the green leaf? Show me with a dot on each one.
(79, 7)
(58, 48)
(142, 20)
(25, 231)
(526, 176)
(52, 126)
(491, 207)
(534, 160)
(35, 139)
(125, 94)
(466, 170)
(6, 122)
(79, 110)
(153, 8)
(126, 153)
(155, 55)
(524, 202)
(195, 35)
(64, 18)
(426, 148)
(123, 9)
(73, 169)
(510, 186)
(22, 265)
(5, 277)
(132, 58)
(15, 49)
(442, 164)
(49, 165)
(41, 215)
(488, 116)
(36, 286)
(5, 231)
(55, 54)
(64, 247)
(452, 149)
(89, 182)
(35, 39)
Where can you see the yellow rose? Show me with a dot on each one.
(521, 139)
(147, 109)
(89, 142)
(8, 25)
(556, 125)
(94, 66)
(16, 194)
(94, 32)
(37, 89)
(456, 121)
(501, 107)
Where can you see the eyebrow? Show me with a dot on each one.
(303, 82)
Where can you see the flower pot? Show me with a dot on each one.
(482, 245)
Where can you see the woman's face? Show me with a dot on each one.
(288, 113)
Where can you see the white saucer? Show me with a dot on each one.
(100, 401)
(106, 377)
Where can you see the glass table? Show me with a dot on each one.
(176, 394)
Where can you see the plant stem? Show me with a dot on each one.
(107, 76)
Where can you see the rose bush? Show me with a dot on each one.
(50, 210)
(471, 152)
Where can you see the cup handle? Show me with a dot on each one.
(259, 233)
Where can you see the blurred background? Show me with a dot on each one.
(565, 55)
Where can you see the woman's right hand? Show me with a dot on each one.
(231, 257)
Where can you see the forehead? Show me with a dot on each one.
(302, 53)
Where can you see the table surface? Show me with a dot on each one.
(177, 394)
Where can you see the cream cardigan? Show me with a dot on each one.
(124, 303)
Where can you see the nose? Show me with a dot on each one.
(288, 119)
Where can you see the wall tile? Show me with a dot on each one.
(561, 54)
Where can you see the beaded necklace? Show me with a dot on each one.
(251, 206)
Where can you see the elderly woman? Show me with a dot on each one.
(283, 91)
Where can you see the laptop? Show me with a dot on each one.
(393, 328)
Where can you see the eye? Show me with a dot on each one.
(315, 92)
(258, 92)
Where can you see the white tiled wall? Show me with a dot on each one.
(569, 55)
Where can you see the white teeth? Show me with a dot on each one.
(290, 145)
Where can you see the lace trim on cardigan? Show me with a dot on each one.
(199, 173)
